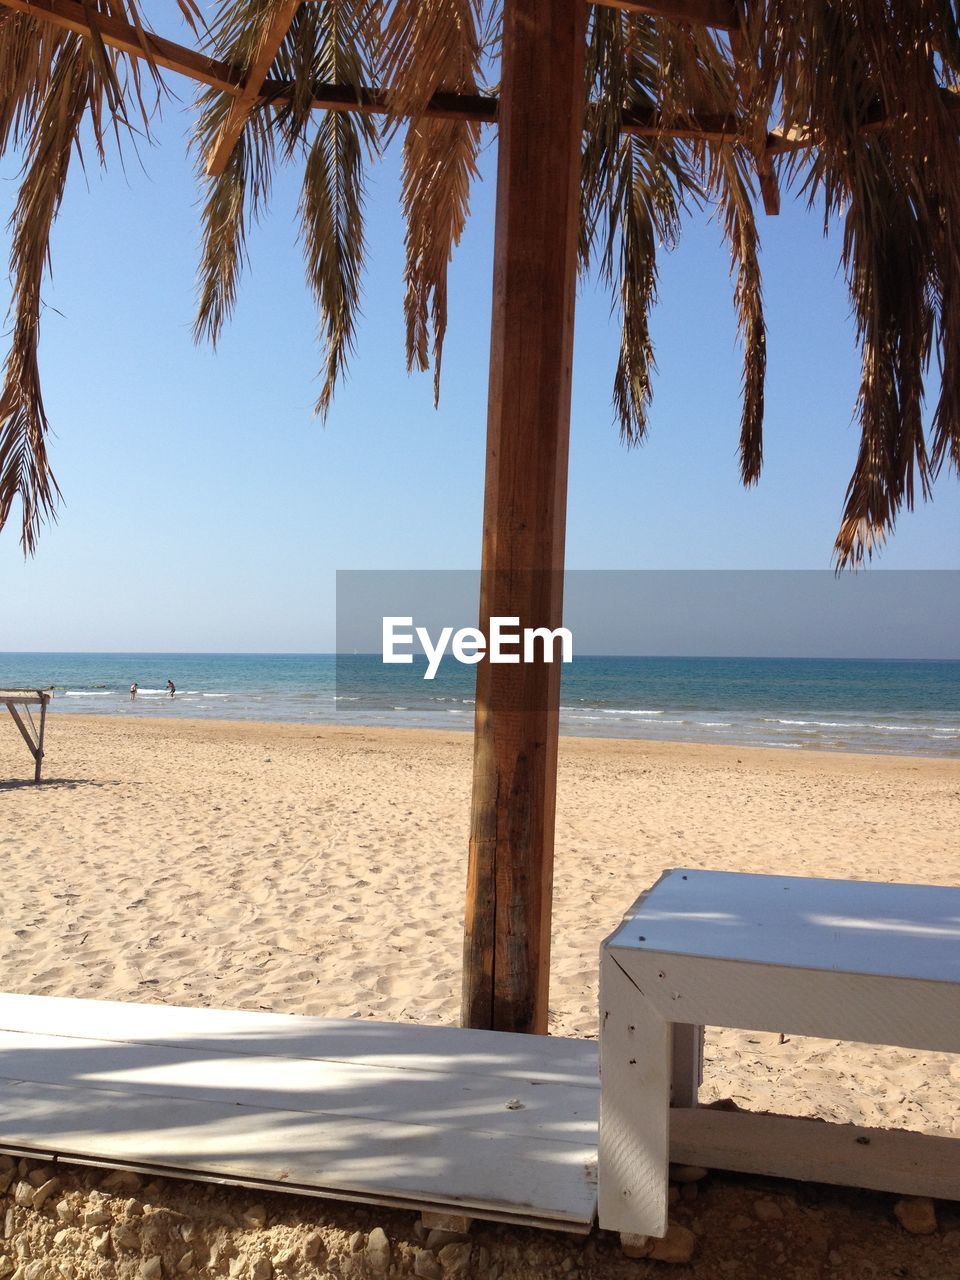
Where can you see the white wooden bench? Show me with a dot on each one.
(848, 960)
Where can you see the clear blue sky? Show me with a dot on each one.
(205, 508)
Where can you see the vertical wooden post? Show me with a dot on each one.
(510, 878)
(43, 725)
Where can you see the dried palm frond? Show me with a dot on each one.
(832, 67)
(52, 84)
(873, 89)
(332, 204)
(426, 48)
(24, 467)
(728, 171)
(240, 193)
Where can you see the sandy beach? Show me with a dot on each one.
(321, 870)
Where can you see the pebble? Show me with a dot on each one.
(45, 1191)
(126, 1238)
(66, 1212)
(455, 1259)
(35, 1270)
(101, 1244)
(426, 1266)
(677, 1245)
(23, 1195)
(122, 1180)
(6, 1177)
(356, 1242)
(7, 1163)
(133, 1209)
(8, 1224)
(377, 1252)
(687, 1173)
(6, 1265)
(740, 1222)
(916, 1215)
(40, 1175)
(261, 1268)
(438, 1237)
(186, 1261)
(286, 1257)
(151, 1268)
(312, 1246)
(767, 1210)
(97, 1218)
(255, 1217)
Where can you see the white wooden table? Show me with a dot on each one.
(847, 960)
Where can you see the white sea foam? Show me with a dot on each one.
(630, 711)
(86, 693)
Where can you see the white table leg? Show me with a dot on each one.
(634, 1152)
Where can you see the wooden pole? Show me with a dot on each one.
(510, 877)
(43, 725)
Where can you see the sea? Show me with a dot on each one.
(898, 707)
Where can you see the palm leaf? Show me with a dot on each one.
(426, 48)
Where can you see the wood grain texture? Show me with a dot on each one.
(633, 1152)
(895, 1160)
(436, 1118)
(510, 875)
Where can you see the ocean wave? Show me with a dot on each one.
(630, 711)
(85, 693)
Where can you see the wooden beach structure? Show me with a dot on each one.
(19, 703)
(608, 117)
(607, 114)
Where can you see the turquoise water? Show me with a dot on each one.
(909, 708)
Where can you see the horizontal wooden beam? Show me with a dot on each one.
(125, 38)
(705, 13)
(72, 16)
(897, 1160)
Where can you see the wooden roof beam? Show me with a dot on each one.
(70, 15)
(268, 48)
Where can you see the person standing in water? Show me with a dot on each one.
(133, 690)
(171, 687)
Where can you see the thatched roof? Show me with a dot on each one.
(852, 104)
